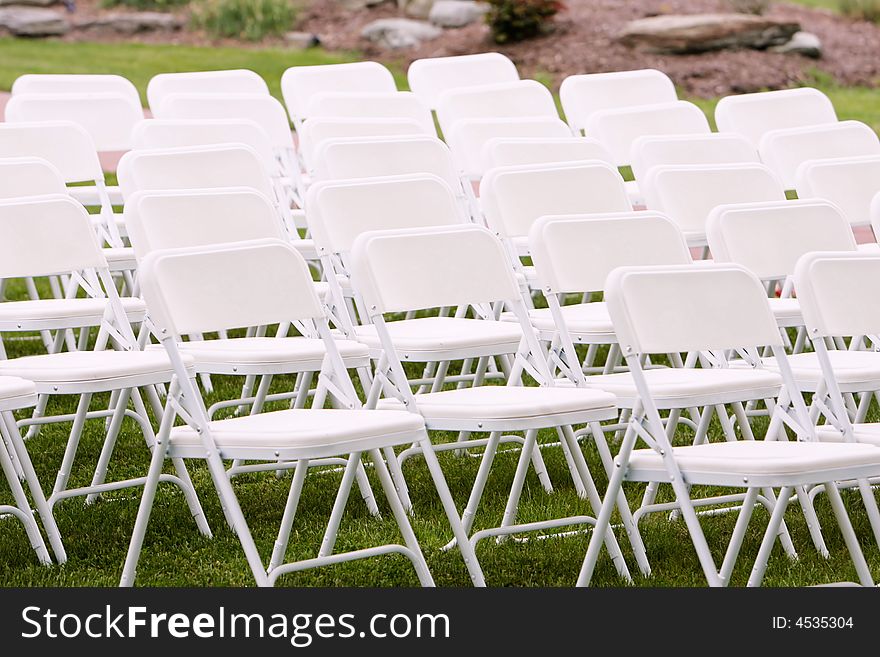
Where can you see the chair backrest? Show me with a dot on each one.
(688, 193)
(74, 83)
(315, 131)
(430, 78)
(468, 137)
(233, 81)
(170, 219)
(753, 115)
(518, 99)
(507, 151)
(65, 144)
(713, 148)
(107, 117)
(850, 183)
(678, 308)
(180, 133)
(379, 105)
(29, 176)
(204, 167)
(468, 265)
(46, 235)
(262, 109)
(575, 253)
(369, 157)
(513, 198)
(617, 129)
(188, 290)
(785, 150)
(339, 211)
(839, 293)
(768, 238)
(582, 95)
(300, 83)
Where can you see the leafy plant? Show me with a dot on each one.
(517, 20)
(866, 10)
(146, 5)
(245, 19)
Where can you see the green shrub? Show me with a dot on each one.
(245, 19)
(517, 20)
(866, 10)
(145, 5)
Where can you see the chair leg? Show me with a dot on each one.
(293, 495)
(739, 532)
(769, 537)
(870, 503)
(72, 444)
(849, 536)
(348, 475)
(519, 478)
(100, 473)
(572, 466)
(21, 502)
(603, 521)
(366, 490)
(398, 478)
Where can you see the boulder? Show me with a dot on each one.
(32, 22)
(418, 8)
(694, 33)
(133, 22)
(302, 40)
(399, 32)
(802, 43)
(456, 13)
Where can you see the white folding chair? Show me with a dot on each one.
(753, 115)
(233, 81)
(688, 193)
(76, 83)
(29, 176)
(429, 78)
(300, 83)
(513, 151)
(713, 148)
(786, 149)
(379, 105)
(187, 290)
(850, 183)
(718, 310)
(17, 394)
(618, 129)
(582, 95)
(389, 274)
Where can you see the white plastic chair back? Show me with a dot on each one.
(523, 98)
(233, 81)
(688, 193)
(29, 176)
(224, 165)
(506, 151)
(753, 115)
(65, 144)
(714, 148)
(339, 211)
(468, 266)
(181, 133)
(850, 183)
(430, 78)
(837, 292)
(785, 150)
(300, 83)
(370, 157)
(108, 118)
(75, 83)
(582, 95)
(679, 308)
(468, 137)
(363, 105)
(170, 219)
(769, 238)
(188, 290)
(513, 198)
(617, 129)
(575, 253)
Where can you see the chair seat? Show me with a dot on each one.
(486, 407)
(786, 311)
(855, 371)
(675, 387)
(256, 355)
(761, 462)
(585, 321)
(866, 432)
(302, 433)
(23, 315)
(100, 370)
(16, 393)
(444, 338)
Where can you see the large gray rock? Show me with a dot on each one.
(694, 33)
(456, 13)
(399, 32)
(133, 22)
(32, 22)
(802, 43)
